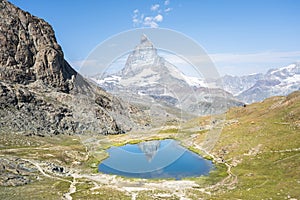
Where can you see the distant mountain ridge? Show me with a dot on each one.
(147, 73)
(257, 87)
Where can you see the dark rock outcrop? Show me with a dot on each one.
(40, 93)
(15, 172)
(29, 51)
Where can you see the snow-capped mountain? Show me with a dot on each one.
(149, 75)
(275, 82)
(145, 67)
(238, 84)
(257, 87)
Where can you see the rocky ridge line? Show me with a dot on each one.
(40, 93)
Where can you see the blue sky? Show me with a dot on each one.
(241, 36)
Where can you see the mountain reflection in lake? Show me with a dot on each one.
(154, 159)
(149, 148)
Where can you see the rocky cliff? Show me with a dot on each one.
(29, 51)
(40, 93)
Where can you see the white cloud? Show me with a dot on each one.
(135, 21)
(135, 18)
(136, 11)
(167, 10)
(150, 22)
(158, 18)
(151, 19)
(148, 19)
(154, 7)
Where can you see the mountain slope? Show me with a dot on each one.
(262, 147)
(280, 81)
(238, 84)
(151, 77)
(40, 93)
(257, 87)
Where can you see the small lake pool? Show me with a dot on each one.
(155, 159)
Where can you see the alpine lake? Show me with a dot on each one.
(155, 159)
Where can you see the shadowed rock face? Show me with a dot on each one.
(29, 51)
(40, 93)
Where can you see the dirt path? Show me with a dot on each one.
(25, 148)
(228, 181)
(134, 187)
(38, 167)
(72, 189)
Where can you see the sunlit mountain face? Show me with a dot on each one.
(147, 76)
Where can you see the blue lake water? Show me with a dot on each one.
(155, 159)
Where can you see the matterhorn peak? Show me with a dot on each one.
(143, 56)
(145, 42)
(144, 38)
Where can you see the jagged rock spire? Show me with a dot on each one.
(144, 54)
(144, 38)
(145, 43)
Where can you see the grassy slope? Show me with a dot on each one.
(264, 145)
(260, 145)
(61, 150)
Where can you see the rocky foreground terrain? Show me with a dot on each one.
(41, 94)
